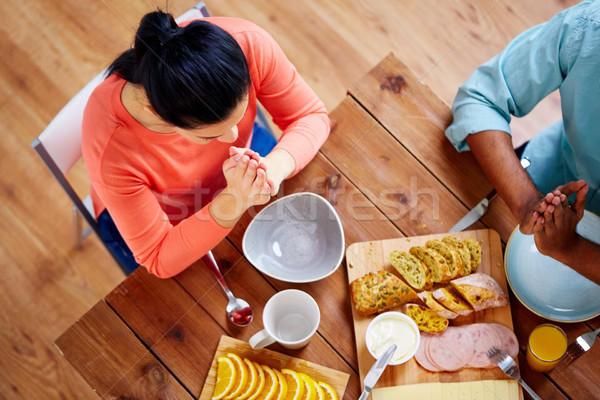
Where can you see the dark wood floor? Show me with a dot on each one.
(51, 48)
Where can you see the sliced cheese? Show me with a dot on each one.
(478, 390)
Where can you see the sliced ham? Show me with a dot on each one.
(510, 344)
(421, 355)
(465, 346)
(450, 350)
(484, 337)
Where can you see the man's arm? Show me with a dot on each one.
(494, 152)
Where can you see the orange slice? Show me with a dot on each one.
(329, 391)
(226, 375)
(295, 385)
(271, 387)
(319, 390)
(252, 380)
(241, 376)
(261, 382)
(283, 388)
(310, 391)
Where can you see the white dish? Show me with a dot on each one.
(547, 287)
(298, 238)
(389, 328)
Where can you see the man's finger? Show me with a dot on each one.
(579, 202)
(572, 187)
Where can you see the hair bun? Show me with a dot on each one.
(173, 33)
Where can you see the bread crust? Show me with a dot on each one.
(379, 291)
(481, 291)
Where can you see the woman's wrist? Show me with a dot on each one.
(226, 209)
(280, 166)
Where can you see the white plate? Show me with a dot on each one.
(547, 287)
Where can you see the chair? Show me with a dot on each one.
(59, 146)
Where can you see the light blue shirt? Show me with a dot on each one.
(564, 54)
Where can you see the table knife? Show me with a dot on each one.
(476, 213)
(376, 371)
(481, 208)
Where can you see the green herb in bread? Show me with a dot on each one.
(463, 251)
(414, 272)
(435, 262)
(450, 299)
(379, 291)
(427, 320)
(451, 255)
(475, 250)
(427, 298)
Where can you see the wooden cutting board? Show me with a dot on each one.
(365, 257)
(337, 379)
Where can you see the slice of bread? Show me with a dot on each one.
(379, 291)
(427, 298)
(463, 251)
(475, 250)
(449, 298)
(435, 262)
(450, 254)
(481, 291)
(427, 320)
(414, 272)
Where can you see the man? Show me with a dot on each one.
(564, 54)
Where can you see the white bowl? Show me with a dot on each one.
(298, 238)
(389, 328)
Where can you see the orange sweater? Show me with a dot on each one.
(157, 187)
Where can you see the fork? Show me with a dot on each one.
(580, 345)
(510, 368)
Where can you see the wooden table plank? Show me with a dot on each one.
(417, 118)
(171, 323)
(109, 356)
(389, 176)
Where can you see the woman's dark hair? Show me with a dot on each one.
(194, 75)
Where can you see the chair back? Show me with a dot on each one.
(62, 137)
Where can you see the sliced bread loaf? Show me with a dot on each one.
(427, 298)
(435, 262)
(481, 291)
(463, 251)
(450, 299)
(426, 319)
(475, 251)
(379, 291)
(414, 272)
(450, 254)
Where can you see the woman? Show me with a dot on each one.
(166, 135)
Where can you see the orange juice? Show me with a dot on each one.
(547, 344)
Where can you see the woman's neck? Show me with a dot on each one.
(136, 103)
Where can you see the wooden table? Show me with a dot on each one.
(389, 172)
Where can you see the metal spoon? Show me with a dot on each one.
(238, 310)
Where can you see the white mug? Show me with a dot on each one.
(291, 317)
